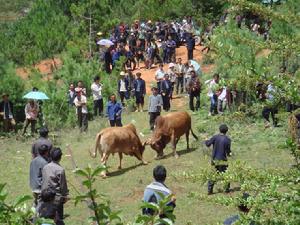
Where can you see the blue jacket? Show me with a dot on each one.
(113, 110)
(221, 147)
(142, 85)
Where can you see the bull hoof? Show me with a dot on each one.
(119, 167)
(176, 156)
(103, 175)
(159, 157)
(145, 163)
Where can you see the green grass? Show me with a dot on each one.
(251, 143)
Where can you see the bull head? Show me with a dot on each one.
(158, 144)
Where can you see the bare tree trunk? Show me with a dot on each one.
(90, 37)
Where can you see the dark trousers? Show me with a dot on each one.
(214, 104)
(123, 95)
(32, 124)
(153, 116)
(158, 86)
(266, 114)
(82, 121)
(166, 102)
(211, 183)
(179, 83)
(194, 94)
(190, 54)
(98, 107)
(116, 123)
(59, 218)
(139, 98)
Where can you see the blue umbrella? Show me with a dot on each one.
(36, 95)
(196, 66)
(105, 42)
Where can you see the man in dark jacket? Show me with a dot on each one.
(194, 89)
(140, 91)
(6, 113)
(166, 93)
(43, 140)
(190, 45)
(221, 149)
(108, 60)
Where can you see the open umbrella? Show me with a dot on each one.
(105, 42)
(36, 95)
(196, 66)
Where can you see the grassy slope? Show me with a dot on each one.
(124, 188)
(10, 9)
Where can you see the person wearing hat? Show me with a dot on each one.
(159, 76)
(166, 92)
(154, 107)
(6, 113)
(54, 178)
(31, 114)
(96, 88)
(123, 87)
(221, 150)
(42, 140)
(140, 91)
(35, 173)
(80, 102)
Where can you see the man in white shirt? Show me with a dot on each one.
(81, 109)
(159, 76)
(179, 70)
(96, 88)
(172, 75)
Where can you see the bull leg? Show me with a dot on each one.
(120, 157)
(174, 142)
(140, 157)
(104, 161)
(187, 139)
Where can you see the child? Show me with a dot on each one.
(155, 103)
(221, 149)
(113, 112)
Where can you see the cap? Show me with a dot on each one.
(122, 73)
(171, 65)
(99, 33)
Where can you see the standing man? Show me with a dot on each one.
(35, 173)
(31, 114)
(221, 150)
(108, 60)
(270, 106)
(43, 140)
(123, 86)
(154, 108)
(212, 93)
(81, 86)
(6, 112)
(179, 70)
(171, 49)
(194, 90)
(114, 111)
(96, 88)
(54, 178)
(172, 75)
(159, 76)
(71, 95)
(166, 92)
(81, 109)
(140, 92)
(190, 45)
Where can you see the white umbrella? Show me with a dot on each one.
(105, 42)
(196, 66)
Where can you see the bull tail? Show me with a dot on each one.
(97, 146)
(194, 135)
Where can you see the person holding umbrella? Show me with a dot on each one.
(82, 113)
(31, 114)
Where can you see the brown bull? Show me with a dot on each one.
(170, 128)
(121, 140)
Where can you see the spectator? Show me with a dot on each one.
(140, 91)
(108, 61)
(166, 92)
(131, 78)
(114, 111)
(194, 90)
(81, 109)
(221, 150)
(42, 140)
(172, 75)
(81, 86)
(123, 87)
(179, 71)
(190, 45)
(171, 48)
(212, 93)
(54, 178)
(270, 107)
(155, 52)
(130, 59)
(31, 114)
(96, 88)
(71, 95)
(149, 54)
(35, 174)
(139, 54)
(222, 101)
(243, 208)
(6, 112)
(154, 108)
(188, 74)
(159, 76)
(151, 193)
